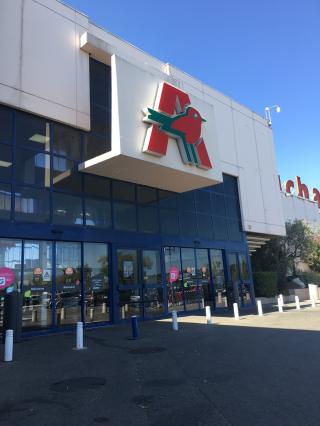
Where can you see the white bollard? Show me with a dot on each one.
(91, 314)
(297, 302)
(44, 308)
(280, 305)
(281, 299)
(8, 346)
(208, 315)
(104, 308)
(175, 325)
(236, 311)
(79, 335)
(259, 304)
(313, 302)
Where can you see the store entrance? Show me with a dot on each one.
(139, 283)
(239, 275)
(64, 282)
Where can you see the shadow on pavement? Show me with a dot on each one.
(200, 375)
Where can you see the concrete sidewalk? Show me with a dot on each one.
(255, 371)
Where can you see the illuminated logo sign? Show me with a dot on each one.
(173, 116)
(301, 189)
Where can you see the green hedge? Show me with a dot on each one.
(265, 284)
(310, 277)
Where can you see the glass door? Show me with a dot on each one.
(129, 287)
(218, 278)
(139, 283)
(234, 274)
(175, 293)
(245, 279)
(37, 285)
(203, 277)
(190, 284)
(68, 283)
(96, 281)
(152, 283)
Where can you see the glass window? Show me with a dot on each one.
(190, 279)
(100, 121)
(233, 267)
(188, 224)
(65, 175)
(96, 273)
(5, 162)
(244, 267)
(151, 267)
(232, 206)
(100, 83)
(220, 228)
(67, 209)
(95, 145)
(68, 283)
(125, 217)
(37, 285)
(127, 266)
(5, 200)
(148, 219)
(174, 279)
(123, 191)
(129, 303)
(169, 222)
(31, 205)
(218, 207)
(203, 275)
(10, 269)
(203, 201)
(98, 213)
(153, 302)
(32, 167)
(235, 233)
(97, 186)
(218, 188)
(218, 276)
(6, 125)
(167, 199)
(186, 201)
(32, 131)
(10, 266)
(205, 226)
(67, 142)
(146, 195)
(230, 185)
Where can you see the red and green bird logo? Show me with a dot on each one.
(181, 123)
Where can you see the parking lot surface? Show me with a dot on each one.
(255, 371)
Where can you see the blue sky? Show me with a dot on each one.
(258, 52)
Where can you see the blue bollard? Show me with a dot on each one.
(134, 324)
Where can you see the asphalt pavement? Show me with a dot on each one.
(255, 371)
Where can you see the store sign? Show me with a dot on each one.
(301, 190)
(46, 275)
(6, 278)
(173, 274)
(173, 116)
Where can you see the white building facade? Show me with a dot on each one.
(126, 186)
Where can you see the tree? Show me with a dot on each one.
(280, 254)
(314, 253)
(298, 243)
(272, 257)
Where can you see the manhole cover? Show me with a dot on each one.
(148, 350)
(143, 401)
(165, 382)
(72, 385)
